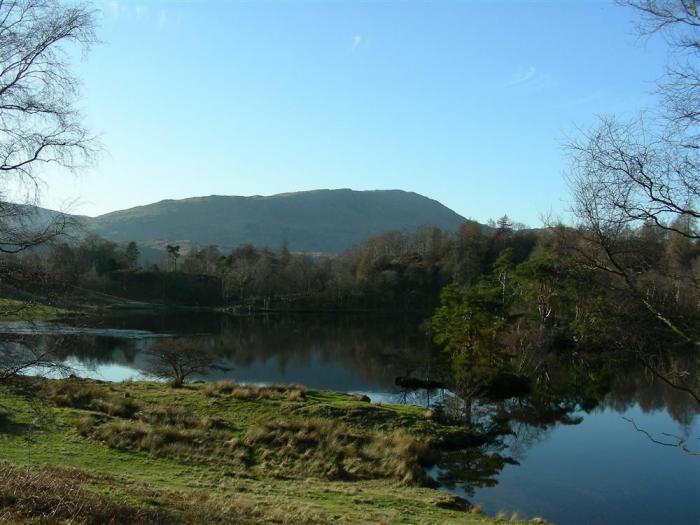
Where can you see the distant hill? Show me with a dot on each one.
(316, 221)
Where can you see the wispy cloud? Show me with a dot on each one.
(529, 76)
(522, 76)
(356, 41)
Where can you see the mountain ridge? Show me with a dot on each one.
(323, 220)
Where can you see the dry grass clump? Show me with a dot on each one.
(330, 450)
(73, 393)
(252, 392)
(157, 440)
(83, 395)
(118, 407)
(219, 388)
(54, 495)
(180, 417)
(199, 443)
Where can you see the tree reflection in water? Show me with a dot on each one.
(368, 354)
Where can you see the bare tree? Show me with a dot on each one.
(633, 176)
(39, 123)
(39, 127)
(177, 359)
(17, 357)
(648, 170)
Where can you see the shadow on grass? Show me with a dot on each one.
(7, 426)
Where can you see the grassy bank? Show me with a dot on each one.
(140, 452)
(16, 310)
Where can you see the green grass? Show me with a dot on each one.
(231, 455)
(14, 310)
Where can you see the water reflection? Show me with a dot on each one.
(347, 354)
(563, 451)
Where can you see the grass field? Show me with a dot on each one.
(140, 452)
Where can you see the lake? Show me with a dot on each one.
(596, 470)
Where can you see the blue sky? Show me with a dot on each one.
(465, 102)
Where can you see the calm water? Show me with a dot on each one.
(599, 471)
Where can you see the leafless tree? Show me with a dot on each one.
(18, 358)
(39, 127)
(648, 170)
(177, 359)
(39, 122)
(630, 176)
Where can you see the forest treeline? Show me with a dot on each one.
(393, 271)
(496, 286)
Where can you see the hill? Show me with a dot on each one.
(316, 221)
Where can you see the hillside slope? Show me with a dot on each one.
(316, 221)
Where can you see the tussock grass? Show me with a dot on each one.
(158, 440)
(84, 395)
(333, 451)
(180, 417)
(284, 448)
(252, 392)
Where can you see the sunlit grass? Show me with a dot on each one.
(204, 454)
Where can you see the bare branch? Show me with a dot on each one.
(679, 442)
